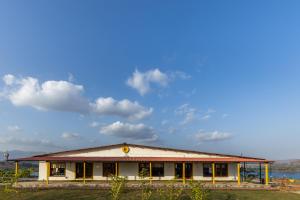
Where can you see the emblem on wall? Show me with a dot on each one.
(125, 149)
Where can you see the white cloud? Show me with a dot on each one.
(50, 95)
(124, 108)
(68, 135)
(27, 143)
(14, 128)
(206, 117)
(8, 79)
(179, 75)
(141, 81)
(71, 77)
(212, 136)
(66, 96)
(94, 124)
(210, 110)
(189, 113)
(139, 132)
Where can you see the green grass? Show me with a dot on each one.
(85, 194)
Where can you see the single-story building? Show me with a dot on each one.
(130, 160)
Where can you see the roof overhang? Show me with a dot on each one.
(142, 159)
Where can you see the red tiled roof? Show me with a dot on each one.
(141, 159)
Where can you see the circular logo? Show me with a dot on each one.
(125, 149)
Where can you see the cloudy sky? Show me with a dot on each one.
(221, 76)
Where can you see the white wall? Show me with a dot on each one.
(70, 172)
(135, 152)
(197, 171)
(42, 170)
(130, 170)
(169, 171)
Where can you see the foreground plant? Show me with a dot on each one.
(9, 178)
(198, 191)
(117, 186)
(144, 185)
(170, 192)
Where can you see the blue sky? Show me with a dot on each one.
(220, 76)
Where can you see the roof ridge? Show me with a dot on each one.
(147, 146)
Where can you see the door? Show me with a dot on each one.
(178, 170)
(79, 170)
(188, 170)
(88, 170)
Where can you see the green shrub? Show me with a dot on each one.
(8, 177)
(145, 185)
(170, 191)
(198, 192)
(117, 186)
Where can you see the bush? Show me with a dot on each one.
(117, 187)
(144, 185)
(198, 192)
(8, 177)
(170, 192)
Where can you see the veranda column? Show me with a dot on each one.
(117, 169)
(47, 172)
(238, 173)
(213, 173)
(150, 171)
(183, 172)
(266, 174)
(17, 171)
(84, 172)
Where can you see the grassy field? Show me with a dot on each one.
(78, 194)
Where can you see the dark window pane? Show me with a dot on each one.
(157, 169)
(88, 170)
(144, 169)
(109, 169)
(178, 170)
(221, 169)
(207, 170)
(188, 170)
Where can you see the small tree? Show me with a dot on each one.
(8, 177)
(145, 186)
(171, 191)
(198, 191)
(117, 187)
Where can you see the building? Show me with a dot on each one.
(129, 160)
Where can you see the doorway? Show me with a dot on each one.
(88, 170)
(188, 170)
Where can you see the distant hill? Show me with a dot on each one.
(287, 165)
(19, 154)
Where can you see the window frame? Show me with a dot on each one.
(163, 169)
(227, 170)
(113, 169)
(209, 168)
(57, 163)
(140, 168)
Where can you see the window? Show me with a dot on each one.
(207, 170)
(157, 169)
(144, 169)
(221, 169)
(109, 169)
(57, 169)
